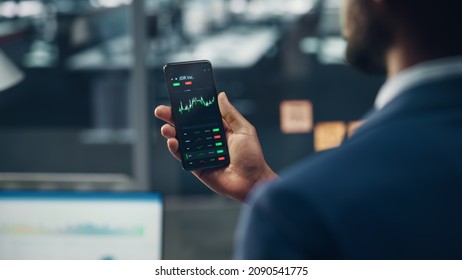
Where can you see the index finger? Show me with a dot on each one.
(164, 113)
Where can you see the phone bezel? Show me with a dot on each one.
(220, 164)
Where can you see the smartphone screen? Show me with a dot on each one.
(198, 123)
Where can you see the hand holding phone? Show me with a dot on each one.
(247, 165)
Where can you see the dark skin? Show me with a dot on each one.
(365, 24)
(247, 168)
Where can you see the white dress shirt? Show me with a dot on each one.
(426, 72)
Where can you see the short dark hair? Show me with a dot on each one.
(434, 24)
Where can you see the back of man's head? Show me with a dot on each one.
(429, 28)
(434, 26)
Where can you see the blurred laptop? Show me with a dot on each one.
(80, 225)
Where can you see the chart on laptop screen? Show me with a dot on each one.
(80, 226)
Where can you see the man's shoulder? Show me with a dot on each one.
(396, 156)
(368, 198)
(383, 194)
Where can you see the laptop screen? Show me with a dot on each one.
(83, 226)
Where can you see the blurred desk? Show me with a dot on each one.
(65, 181)
(233, 48)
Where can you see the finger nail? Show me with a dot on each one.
(224, 95)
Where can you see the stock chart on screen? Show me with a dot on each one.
(80, 226)
(195, 107)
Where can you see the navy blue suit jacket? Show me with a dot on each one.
(392, 191)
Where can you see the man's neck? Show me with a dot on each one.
(403, 56)
(400, 58)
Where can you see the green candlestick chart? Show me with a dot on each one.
(194, 102)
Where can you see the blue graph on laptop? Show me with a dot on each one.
(85, 229)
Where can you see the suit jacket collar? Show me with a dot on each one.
(443, 95)
(420, 74)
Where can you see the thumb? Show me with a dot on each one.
(231, 115)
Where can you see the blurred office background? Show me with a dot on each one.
(81, 118)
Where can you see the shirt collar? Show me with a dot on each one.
(429, 71)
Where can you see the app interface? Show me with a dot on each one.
(194, 105)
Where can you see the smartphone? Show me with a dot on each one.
(197, 117)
